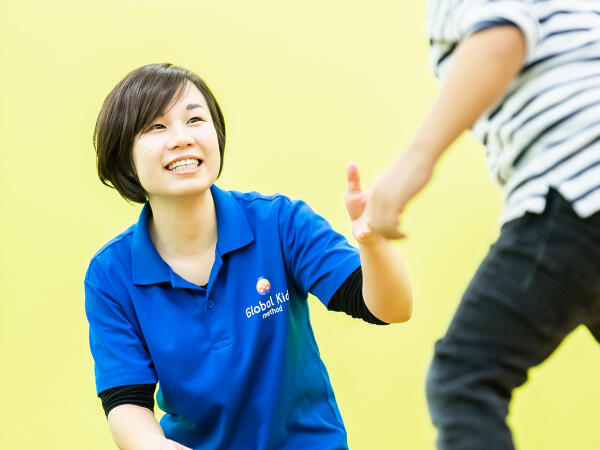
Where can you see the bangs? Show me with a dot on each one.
(149, 93)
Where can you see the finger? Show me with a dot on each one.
(363, 235)
(393, 234)
(353, 178)
(388, 231)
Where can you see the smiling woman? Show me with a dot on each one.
(207, 293)
(192, 161)
(135, 107)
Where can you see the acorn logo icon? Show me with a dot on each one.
(263, 286)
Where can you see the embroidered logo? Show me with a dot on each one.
(263, 286)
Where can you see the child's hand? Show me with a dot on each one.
(356, 204)
(392, 191)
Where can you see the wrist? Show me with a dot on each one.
(416, 164)
(422, 155)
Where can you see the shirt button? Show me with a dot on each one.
(211, 303)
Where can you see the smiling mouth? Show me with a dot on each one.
(184, 164)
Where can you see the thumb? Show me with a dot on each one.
(353, 178)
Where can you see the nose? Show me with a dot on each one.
(180, 138)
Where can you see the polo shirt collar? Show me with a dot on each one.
(148, 266)
(233, 233)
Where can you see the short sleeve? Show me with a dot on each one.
(319, 258)
(120, 354)
(453, 20)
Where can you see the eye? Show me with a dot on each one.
(156, 126)
(196, 119)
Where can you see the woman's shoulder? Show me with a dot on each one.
(257, 200)
(269, 206)
(114, 252)
(258, 197)
(120, 243)
(256, 203)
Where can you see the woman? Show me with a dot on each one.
(207, 293)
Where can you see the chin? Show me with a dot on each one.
(182, 188)
(192, 189)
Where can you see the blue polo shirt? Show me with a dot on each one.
(236, 362)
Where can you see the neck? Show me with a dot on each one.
(183, 226)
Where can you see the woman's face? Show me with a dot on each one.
(178, 153)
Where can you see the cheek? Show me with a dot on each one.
(209, 141)
(142, 163)
(208, 135)
(138, 161)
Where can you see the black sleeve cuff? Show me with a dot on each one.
(135, 394)
(349, 299)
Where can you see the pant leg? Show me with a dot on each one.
(595, 330)
(537, 283)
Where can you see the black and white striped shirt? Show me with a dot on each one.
(545, 131)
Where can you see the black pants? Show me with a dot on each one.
(538, 282)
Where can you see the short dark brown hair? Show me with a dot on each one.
(138, 99)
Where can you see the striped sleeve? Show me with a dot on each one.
(453, 20)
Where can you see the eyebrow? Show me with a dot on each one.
(193, 106)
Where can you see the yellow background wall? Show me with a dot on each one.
(305, 87)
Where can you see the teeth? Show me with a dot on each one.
(184, 164)
(184, 167)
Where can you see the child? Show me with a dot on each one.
(526, 76)
(207, 293)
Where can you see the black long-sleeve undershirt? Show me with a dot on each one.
(134, 394)
(348, 298)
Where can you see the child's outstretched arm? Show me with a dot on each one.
(483, 65)
(386, 287)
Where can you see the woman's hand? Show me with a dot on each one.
(356, 204)
(386, 287)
